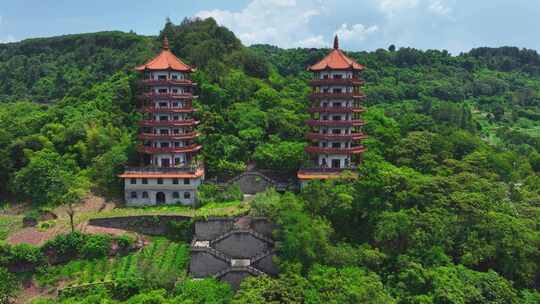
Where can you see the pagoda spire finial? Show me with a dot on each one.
(165, 43)
(336, 42)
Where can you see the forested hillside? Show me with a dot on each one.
(447, 206)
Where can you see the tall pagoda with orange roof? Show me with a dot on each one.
(168, 173)
(335, 126)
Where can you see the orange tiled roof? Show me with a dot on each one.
(302, 176)
(165, 60)
(195, 174)
(306, 175)
(336, 60)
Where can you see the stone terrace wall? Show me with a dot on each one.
(212, 228)
(145, 224)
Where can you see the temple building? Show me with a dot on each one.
(335, 126)
(169, 172)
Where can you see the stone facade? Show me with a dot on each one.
(149, 191)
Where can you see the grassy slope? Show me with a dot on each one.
(9, 224)
(162, 258)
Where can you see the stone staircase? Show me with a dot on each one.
(233, 255)
(246, 231)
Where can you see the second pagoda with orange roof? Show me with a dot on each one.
(336, 125)
(168, 173)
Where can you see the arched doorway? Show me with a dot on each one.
(160, 198)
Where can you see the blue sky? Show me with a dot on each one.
(455, 25)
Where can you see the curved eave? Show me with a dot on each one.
(353, 136)
(330, 68)
(320, 95)
(336, 110)
(153, 123)
(144, 68)
(186, 136)
(157, 96)
(168, 110)
(336, 81)
(338, 151)
(154, 150)
(169, 82)
(335, 123)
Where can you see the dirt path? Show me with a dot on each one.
(31, 291)
(35, 236)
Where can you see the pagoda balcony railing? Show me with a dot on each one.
(337, 81)
(341, 151)
(167, 123)
(151, 136)
(156, 82)
(351, 136)
(325, 169)
(154, 150)
(330, 95)
(151, 109)
(335, 123)
(165, 96)
(153, 169)
(336, 110)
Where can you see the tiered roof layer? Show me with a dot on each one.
(165, 60)
(336, 60)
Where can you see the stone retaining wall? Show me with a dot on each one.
(145, 224)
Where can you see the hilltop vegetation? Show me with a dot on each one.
(447, 206)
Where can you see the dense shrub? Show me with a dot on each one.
(96, 246)
(24, 257)
(207, 193)
(65, 246)
(8, 285)
(125, 288)
(180, 230)
(124, 243)
(213, 193)
(204, 291)
(231, 193)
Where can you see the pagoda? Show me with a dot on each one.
(168, 173)
(335, 126)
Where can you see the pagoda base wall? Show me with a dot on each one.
(161, 194)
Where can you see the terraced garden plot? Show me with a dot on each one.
(213, 209)
(8, 224)
(162, 257)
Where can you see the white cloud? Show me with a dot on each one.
(390, 7)
(356, 32)
(8, 38)
(279, 22)
(393, 7)
(439, 7)
(313, 42)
